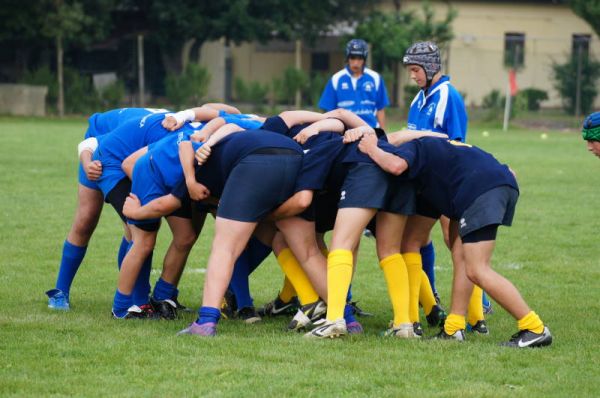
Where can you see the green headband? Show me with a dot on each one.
(592, 134)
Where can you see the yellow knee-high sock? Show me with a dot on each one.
(475, 311)
(339, 276)
(414, 266)
(325, 252)
(531, 322)
(454, 323)
(426, 297)
(287, 291)
(396, 277)
(298, 278)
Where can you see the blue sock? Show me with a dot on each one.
(163, 290)
(257, 252)
(175, 293)
(349, 295)
(121, 303)
(208, 314)
(72, 256)
(141, 290)
(123, 249)
(348, 315)
(485, 300)
(428, 258)
(239, 284)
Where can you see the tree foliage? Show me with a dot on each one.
(589, 10)
(565, 82)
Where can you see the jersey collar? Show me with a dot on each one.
(444, 80)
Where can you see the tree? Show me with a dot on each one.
(589, 10)
(391, 34)
(565, 82)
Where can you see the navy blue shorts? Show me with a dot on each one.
(494, 207)
(257, 185)
(401, 197)
(426, 209)
(365, 187)
(326, 207)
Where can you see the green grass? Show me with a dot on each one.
(551, 253)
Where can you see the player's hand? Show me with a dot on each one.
(200, 136)
(171, 124)
(202, 154)
(305, 134)
(131, 206)
(354, 134)
(93, 170)
(197, 191)
(367, 143)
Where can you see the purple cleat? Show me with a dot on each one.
(206, 329)
(354, 327)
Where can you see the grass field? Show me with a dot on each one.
(551, 253)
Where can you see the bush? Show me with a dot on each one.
(253, 92)
(188, 88)
(285, 88)
(410, 92)
(80, 95)
(112, 95)
(565, 82)
(533, 97)
(494, 101)
(315, 88)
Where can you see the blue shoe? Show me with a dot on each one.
(205, 330)
(58, 300)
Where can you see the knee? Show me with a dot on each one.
(474, 274)
(185, 242)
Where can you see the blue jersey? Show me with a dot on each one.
(450, 175)
(105, 122)
(442, 110)
(363, 96)
(164, 155)
(230, 150)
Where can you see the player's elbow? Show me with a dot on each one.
(303, 200)
(397, 167)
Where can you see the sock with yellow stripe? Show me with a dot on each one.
(475, 311)
(339, 276)
(287, 292)
(298, 278)
(396, 277)
(414, 268)
(531, 322)
(454, 323)
(426, 297)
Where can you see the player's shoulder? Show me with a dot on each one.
(339, 75)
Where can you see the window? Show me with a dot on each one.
(319, 62)
(580, 43)
(514, 49)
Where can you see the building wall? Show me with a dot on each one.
(475, 56)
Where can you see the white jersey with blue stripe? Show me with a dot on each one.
(363, 96)
(442, 110)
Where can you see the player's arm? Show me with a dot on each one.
(350, 119)
(130, 160)
(159, 207)
(387, 161)
(223, 107)
(295, 205)
(203, 153)
(381, 118)
(329, 124)
(196, 190)
(293, 118)
(174, 121)
(92, 168)
(209, 129)
(400, 137)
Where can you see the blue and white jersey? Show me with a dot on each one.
(442, 110)
(363, 96)
(105, 122)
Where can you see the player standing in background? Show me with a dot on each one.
(357, 88)
(437, 107)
